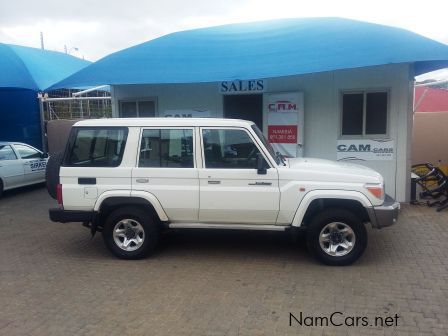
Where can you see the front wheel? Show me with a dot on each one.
(336, 237)
(131, 233)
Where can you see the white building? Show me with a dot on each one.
(327, 88)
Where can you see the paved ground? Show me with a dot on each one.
(56, 281)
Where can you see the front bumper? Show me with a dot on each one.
(66, 216)
(384, 215)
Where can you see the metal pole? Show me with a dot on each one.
(42, 41)
(42, 122)
(77, 98)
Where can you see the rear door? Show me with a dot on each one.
(231, 190)
(33, 161)
(95, 163)
(167, 169)
(11, 168)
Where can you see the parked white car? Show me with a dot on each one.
(131, 178)
(20, 165)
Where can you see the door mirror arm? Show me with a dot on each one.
(261, 167)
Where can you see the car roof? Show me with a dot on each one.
(5, 143)
(149, 122)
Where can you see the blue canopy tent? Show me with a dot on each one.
(262, 50)
(24, 72)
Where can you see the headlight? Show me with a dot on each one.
(376, 190)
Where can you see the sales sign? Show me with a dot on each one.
(242, 86)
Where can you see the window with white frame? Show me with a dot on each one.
(364, 113)
(137, 108)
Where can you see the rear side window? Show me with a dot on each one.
(6, 153)
(96, 147)
(171, 148)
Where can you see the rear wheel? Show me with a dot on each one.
(336, 237)
(131, 233)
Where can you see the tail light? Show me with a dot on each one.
(59, 193)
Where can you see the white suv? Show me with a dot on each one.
(131, 178)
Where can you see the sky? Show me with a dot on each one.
(94, 29)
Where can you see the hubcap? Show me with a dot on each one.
(337, 239)
(128, 234)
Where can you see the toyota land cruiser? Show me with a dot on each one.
(132, 178)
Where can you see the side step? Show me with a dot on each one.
(259, 227)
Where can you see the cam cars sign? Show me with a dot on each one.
(186, 113)
(365, 150)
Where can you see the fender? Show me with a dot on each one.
(137, 194)
(335, 194)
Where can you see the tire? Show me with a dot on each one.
(52, 173)
(1, 188)
(134, 223)
(329, 236)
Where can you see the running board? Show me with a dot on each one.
(260, 227)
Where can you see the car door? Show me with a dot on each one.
(167, 169)
(97, 161)
(34, 163)
(231, 190)
(11, 168)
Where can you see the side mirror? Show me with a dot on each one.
(44, 155)
(261, 167)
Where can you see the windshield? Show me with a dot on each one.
(277, 157)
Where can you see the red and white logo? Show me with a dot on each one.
(282, 106)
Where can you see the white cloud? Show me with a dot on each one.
(99, 28)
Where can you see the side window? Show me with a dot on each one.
(6, 153)
(26, 152)
(364, 113)
(140, 109)
(226, 148)
(171, 148)
(96, 147)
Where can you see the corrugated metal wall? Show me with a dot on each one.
(429, 139)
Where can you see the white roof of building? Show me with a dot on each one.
(150, 122)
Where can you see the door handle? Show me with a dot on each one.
(261, 183)
(142, 180)
(214, 182)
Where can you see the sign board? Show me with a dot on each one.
(285, 122)
(365, 149)
(242, 86)
(186, 113)
(286, 134)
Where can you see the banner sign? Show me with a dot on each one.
(242, 86)
(187, 113)
(282, 134)
(285, 122)
(365, 150)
